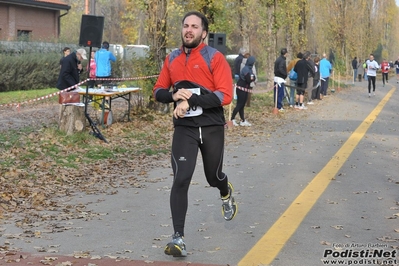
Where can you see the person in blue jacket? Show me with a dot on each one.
(325, 72)
(103, 60)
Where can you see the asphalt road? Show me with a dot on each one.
(323, 187)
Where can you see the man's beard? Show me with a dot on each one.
(194, 43)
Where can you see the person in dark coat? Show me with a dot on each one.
(70, 69)
(237, 63)
(280, 74)
(243, 88)
(303, 69)
(355, 66)
(316, 81)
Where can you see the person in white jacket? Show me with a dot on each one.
(372, 67)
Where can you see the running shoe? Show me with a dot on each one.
(235, 122)
(229, 206)
(245, 124)
(177, 247)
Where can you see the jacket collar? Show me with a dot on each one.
(191, 50)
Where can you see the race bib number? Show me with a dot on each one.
(196, 110)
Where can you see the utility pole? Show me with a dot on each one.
(86, 7)
(92, 9)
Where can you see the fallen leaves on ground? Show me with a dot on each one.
(48, 171)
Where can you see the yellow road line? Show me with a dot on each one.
(268, 247)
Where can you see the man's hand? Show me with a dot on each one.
(182, 94)
(181, 109)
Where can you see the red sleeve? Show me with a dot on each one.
(163, 81)
(222, 78)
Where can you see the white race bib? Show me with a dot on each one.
(198, 109)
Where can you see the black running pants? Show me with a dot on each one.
(186, 141)
(371, 81)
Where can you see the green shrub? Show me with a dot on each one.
(31, 71)
(137, 67)
(28, 71)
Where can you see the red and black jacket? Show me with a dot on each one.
(202, 67)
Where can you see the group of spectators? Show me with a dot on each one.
(311, 80)
(71, 66)
(308, 77)
(311, 77)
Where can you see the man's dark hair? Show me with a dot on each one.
(66, 49)
(306, 55)
(299, 55)
(105, 45)
(283, 51)
(204, 20)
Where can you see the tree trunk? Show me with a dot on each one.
(163, 108)
(270, 44)
(72, 119)
(157, 32)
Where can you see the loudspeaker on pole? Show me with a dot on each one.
(91, 31)
(218, 41)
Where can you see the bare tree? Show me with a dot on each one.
(157, 29)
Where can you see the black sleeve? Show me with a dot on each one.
(164, 96)
(237, 65)
(80, 71)
(69, 73)
(205, 101)
(311, 69)
(283, 69)
(248, 79)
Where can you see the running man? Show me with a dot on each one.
(202, 84)
(372, 67)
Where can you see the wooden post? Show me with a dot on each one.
(72, 119)
(332, 83)
(248, 103)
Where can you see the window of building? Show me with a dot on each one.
(24, 35)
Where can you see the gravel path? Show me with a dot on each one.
(36, 116)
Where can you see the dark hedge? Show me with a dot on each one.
(28, 71)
